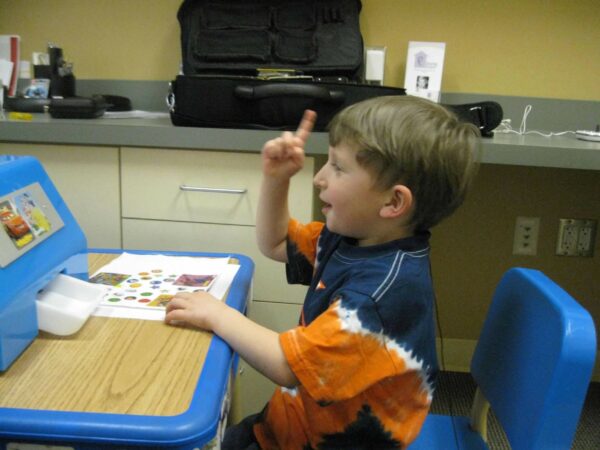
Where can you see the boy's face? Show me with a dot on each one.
(352, 204)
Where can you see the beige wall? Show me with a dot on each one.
(473, 248)
(536, 48)
(105, 39)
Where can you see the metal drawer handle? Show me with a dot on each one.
(184, 187)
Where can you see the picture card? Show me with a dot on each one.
(424, 69)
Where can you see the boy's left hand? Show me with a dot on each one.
(199, 309)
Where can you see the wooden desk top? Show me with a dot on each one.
(111, 365)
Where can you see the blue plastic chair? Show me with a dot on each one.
(532, 365)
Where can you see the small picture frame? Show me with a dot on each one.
(424, 68)
(38, 88)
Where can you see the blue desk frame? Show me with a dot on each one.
(191, 429)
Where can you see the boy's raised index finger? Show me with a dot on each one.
(306, 124)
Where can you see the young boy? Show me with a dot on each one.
(359, 370)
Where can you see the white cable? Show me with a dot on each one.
(505, 127)
(523, 127)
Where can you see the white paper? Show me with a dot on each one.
(375, 64)
(6, 68)
(219, 289)
(424, 69)
(135, 114)
(10, 51)
(132, 265)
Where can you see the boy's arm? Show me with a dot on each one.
(282, 158)
(257, 345)
(272, 218)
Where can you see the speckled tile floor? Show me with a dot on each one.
(461, 388)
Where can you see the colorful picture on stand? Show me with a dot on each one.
(33, 214)
(15, 225)
(149, 289)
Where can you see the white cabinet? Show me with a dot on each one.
(223, 186)
(88, 181)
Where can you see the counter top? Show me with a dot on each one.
(565, 151)
(136, 132)
(529, 150)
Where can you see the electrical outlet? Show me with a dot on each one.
(568, 234)
(576, 237)
(584, 240)
(526, 236)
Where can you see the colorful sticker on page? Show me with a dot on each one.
(161, 301)
(109, 279)
(199, 281)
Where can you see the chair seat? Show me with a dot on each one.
(438, 433)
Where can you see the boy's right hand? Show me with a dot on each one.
(284, 156)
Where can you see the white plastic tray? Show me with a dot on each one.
(66, 303)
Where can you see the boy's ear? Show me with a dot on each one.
(400, 202)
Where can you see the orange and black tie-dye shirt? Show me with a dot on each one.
(364, 351)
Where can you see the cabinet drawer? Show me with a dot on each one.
(269, 277)
(225, 186)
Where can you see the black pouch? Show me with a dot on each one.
(484, 115)
(30, 105)
(77, 107)
(320, 38)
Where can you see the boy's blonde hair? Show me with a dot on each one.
(415, 142)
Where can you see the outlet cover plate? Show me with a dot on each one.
(576, 237)
(526, 236)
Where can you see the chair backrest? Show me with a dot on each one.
(534, 360)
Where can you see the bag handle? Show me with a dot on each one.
(289, 90)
